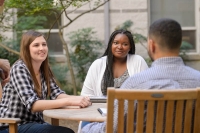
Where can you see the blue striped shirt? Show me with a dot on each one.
(165, 73)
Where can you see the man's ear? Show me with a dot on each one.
(151, 45)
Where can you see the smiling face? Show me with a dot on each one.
(38, 50)
(120, 46)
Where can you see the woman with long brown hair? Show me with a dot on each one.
(31, 82)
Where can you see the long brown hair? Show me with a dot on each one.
(27, 38)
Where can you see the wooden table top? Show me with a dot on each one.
(82, 114)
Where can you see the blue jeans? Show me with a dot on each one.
(40, 128)
(84, 123)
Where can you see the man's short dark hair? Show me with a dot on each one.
(167, 32)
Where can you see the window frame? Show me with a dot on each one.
(53, 54)
(192, 54)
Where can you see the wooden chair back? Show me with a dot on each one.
(11, 121)
(166, 110)
(0, 91)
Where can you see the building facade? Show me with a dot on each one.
(142, 13)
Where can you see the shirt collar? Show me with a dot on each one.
(168, 60)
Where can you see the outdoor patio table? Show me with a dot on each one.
(89, 113)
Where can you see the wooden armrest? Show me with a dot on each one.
(9, 120)
(12, 123)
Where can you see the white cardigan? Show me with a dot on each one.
(92, 83)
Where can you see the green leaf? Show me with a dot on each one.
(85, 46)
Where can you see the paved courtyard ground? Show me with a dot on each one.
(66, 123)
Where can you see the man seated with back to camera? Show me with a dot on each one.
(167, 71)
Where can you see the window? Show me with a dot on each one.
(54, 42)
(185, 12)
(42, 22)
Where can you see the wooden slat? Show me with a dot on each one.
(140, 117)
(13, 128)
(169, 116)
(172, 94)
(120, 116)
(197, 113)
(110, 107)
(150, 116)
(1, 91)
(9, 120)
(159, 116)
(188, 116)
(178, 116)
(55, 122)
(130, 117)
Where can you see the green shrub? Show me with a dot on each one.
(85, 50)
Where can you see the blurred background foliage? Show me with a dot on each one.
(46, 15)
(127, 25)
(86, 47)
(185, 46)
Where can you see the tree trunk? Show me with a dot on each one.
(65, 46)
